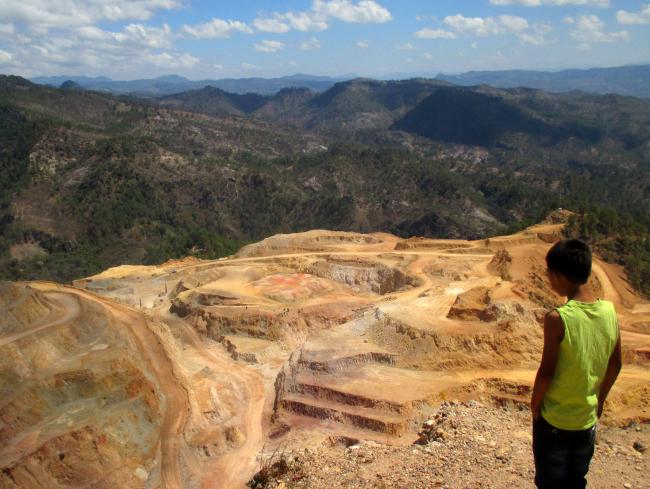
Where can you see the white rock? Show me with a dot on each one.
(141, 474)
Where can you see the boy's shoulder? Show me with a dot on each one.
(553, 315)
(576, 311)
(573, 304)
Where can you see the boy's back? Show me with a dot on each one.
(580, 362)
(590, 335)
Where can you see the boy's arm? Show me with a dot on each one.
(553, 333)
(613, 368)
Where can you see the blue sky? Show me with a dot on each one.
(126, 39)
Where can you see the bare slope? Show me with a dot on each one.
(205, 368)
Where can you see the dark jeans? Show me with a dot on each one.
(561, 457)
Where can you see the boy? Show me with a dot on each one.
(580, 362)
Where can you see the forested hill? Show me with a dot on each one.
(89, 180)
(479, 116)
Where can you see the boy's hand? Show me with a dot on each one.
(553, 332)
(536, 411)
(613, 368)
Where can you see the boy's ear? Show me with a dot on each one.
(557, 280)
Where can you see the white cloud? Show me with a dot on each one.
(7, 29)
(537, 35)
(249, 66)
(216, 28)
(5, 57)
(640, 17)
(271, 25)
(513, 23)
(363, 44)
(405, 47)
(589, 29)
(132, 34)
(172, 61)
(459, 25)
(45, 14)
(476, 26)
(292, 63)
(91, 50)
(488, 26)
(362, 12)
(304, 21)
(267, 46)
(428, 56)
(428, 33)
(128, 9)
(310, 45)
(556, 3)
(321, 13)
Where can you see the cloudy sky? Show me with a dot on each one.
(127, 39)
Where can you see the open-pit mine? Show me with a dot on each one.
(192, 373)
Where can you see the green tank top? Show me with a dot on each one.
(590, 335)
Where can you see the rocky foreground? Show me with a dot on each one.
(464, 445)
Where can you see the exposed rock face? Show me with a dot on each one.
(63, 361)
(500, 264)
(314, 241)
(473, 305)
(362, 275)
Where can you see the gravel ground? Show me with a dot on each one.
(465, 445)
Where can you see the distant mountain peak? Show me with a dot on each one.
(70, 85)
(172, 79)
(633, 80)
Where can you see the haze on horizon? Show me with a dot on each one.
(125, 39)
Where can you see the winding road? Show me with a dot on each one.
(176, 405)
(233, 469)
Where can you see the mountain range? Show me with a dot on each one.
(434, 109)
(166, 85)
(90, 180)
(624, 80)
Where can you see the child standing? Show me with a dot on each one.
(580, 363)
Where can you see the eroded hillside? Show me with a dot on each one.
(192, 373)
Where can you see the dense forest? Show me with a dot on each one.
(619, 238)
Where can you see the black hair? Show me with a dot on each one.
(571, 258)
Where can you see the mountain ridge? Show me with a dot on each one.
(633, 80)
(171, 84)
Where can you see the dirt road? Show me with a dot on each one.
(176, 407)
(235, 468)
(63, 308)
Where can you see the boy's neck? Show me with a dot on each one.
(580, 293)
